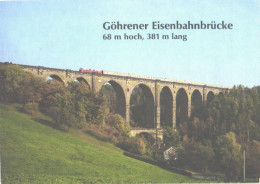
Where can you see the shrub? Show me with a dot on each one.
(118, 123)
(133, 144)
(31, 108)
(171, 137)
(148, 138)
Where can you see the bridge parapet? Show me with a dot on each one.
(165, 80)
(136, 76)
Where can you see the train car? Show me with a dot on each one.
(98, 71)
(115, 73)
(84, 70)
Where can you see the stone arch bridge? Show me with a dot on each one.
(164, 93)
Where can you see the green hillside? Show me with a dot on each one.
(32, 152)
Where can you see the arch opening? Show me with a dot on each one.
(221, 94)
(166, 105)
(196, 104)
(142, 107)
(210, 97)
(83, 83)
(181, 107)
(115, 97)
(55, 79)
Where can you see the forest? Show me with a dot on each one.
(212, 140)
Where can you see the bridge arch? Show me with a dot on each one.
(83, 82)
(166, 106)
(221, 94)
(55, 79)
(142, 107)
(148, 136)
(181, 106)
(196, 104)
(115, 96)
(210, 97)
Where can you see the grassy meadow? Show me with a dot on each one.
(34, 152)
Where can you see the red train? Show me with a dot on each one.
(90, 71)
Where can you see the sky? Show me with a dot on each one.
(69, 35)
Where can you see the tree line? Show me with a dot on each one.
(215, 137)
(68, 106)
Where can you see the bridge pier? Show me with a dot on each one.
(158, 115)
(174, 111)
(204, 100)
(157, 110)
(127, 114)
(189, 105)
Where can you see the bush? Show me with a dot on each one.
(157, 156)
(171, 137)
(118, 123)
(148, 138)
(133, 144)
(31, 108)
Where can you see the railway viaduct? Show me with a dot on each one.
(155, 89)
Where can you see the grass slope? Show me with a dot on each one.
(32, 152)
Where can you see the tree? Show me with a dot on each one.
(200, 130)
(229, 155)
(196, 155)
(30, 89)
(138, 100)
(48, 91)
(253, 159)
(109, 94)
(66, 111)
(171, 137)
(93, 104)
(117, 122)
(19, 86)
(11, 77)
